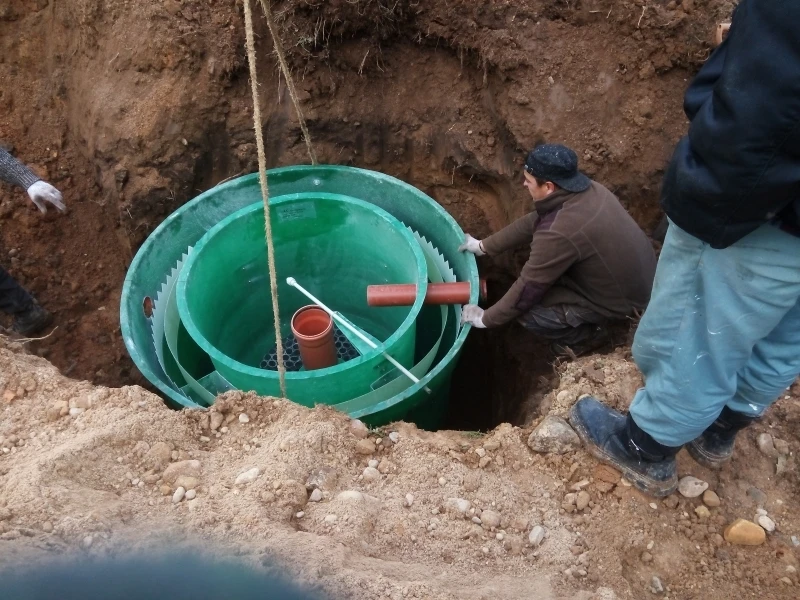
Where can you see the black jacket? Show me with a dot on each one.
(739, 166)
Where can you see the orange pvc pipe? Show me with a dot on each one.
(313, 329)
(404, 294)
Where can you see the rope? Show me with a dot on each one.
(288, 76)
(262, 177)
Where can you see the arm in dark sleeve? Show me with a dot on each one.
(551, 255)
(14, 172)
(518, 233)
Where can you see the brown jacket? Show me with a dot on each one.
(585, 250)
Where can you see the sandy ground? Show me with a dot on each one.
(92, 471)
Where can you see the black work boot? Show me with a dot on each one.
(31, 320)
(617, 440)
(596, 337)
(715, 446)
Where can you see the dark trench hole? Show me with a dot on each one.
(501, 377)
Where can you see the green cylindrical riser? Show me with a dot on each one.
(334, 246)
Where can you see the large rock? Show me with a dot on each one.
(745, 533)
(553, 436)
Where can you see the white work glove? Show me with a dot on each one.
(41, 192)
(472, 314)
(471, 245)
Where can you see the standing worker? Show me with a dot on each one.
(589, 263)
(720, 340)
(29, 317)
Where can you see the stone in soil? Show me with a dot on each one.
(745, 533)
(315, 496)
(766, 445)
(191, 494)
(323, 478)
(691, 487)
(656, 586)
(553, 436)
(358, 429)
(243, 418)
(702, 511)
(409, 501)
(490, 519)
(371, 474)
(457, 505)
(188, 468)
(178, 495)
(365, 446)
(781, 446)
(711, 499)
(582, 500)
(247, 476)
(536, 536)
(187, 483)
(767, 523)
(216, 420)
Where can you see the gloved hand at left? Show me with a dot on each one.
(472, 314)
(42, 192)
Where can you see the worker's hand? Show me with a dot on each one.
(472, 314)
(471, 245)
(42, 192)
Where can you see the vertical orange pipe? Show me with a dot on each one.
(313, 329)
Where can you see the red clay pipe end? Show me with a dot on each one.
(313, 329)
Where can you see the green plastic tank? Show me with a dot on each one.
(335, 246)
(188, 346)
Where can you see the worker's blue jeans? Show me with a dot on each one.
(722, 329)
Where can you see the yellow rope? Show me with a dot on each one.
(262, 176)
(288, 77)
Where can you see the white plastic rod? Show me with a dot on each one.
(344, 323)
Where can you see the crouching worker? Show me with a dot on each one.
(589, 263)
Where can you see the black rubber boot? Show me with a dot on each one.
(615, 439)
(31, 320)
(593, 338)
(715, 446)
